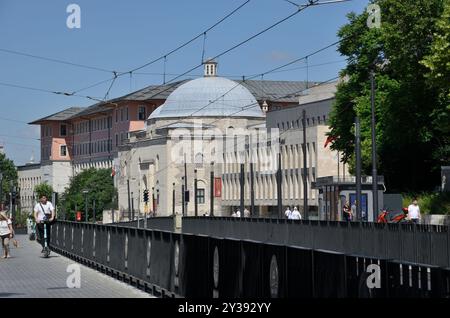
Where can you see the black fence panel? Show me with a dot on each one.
(252, 279)
(440, 251)
(204, 267)
(101, 244)
(440, 281)
(88, 241)
(116, 250)
(164, 255)
(329, 274)
(198, 275)
(135, 257)
(299, 273)
(77, 239)
(423, 243)
(274, 271)
(408, 239)
(227, 267)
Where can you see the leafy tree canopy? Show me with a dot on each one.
(409, 55)
(100, 187)
(43, 189)
(9, 173)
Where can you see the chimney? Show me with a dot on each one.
(210, 68)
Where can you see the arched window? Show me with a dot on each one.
(199, 160)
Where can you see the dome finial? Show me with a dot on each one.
(210, 68)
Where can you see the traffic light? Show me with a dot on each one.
(146, 196)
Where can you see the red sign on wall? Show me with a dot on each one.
(218, 187)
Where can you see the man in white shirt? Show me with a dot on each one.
(295, 215)
(44, 210)
(238, 213)
(414, 212)
(288, 213)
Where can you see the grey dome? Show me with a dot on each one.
(209, 97)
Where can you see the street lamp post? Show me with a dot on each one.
(195, 193)
(374, 149)
(173, 200)
(86, 212)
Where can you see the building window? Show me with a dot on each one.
(121, 114)
(63, 151)
(128, 115)
(142, 113)
(117, 115)
(117, 140)
(63, 130)
(201, 196)
(199, 161)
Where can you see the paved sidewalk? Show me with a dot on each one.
(28, 275)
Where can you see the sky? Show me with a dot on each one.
(122, 35)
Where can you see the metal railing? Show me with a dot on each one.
(171, 264)
(155, 223)
(421, 244)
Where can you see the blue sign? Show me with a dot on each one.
(364, 206)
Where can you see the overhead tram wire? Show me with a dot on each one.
(311, 3)
(244, 78)
(187, 42)
(115, 73)
(56, 60)
(273, 70)
(318, 3)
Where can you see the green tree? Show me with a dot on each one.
(9, 173)
(438, 64)
(405, 102)
(43, 189)
(101, 189)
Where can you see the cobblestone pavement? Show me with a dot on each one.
(27, 275)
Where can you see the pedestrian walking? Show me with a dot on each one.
(288, 213)
(353, 208)
(295, 215)
(246, 213)
(6, 233)
(347, 212)
(414, 212)
(238, 213)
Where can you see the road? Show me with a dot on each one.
(27, 275)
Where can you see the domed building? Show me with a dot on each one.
(184, 145)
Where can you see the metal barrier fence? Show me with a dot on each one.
(422, 244)
(170, 264)
(154, 223)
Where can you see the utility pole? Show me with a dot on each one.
(173, 200)
(153, 201)
(132, 206)
(93, 207)
(242, 184)
(211, 199)
(358, 168)
(374, 150)
(279, 178)
(86, 211)
(183, 197)
(195, 193)
(129, 199)
(185, 185)
(305, 169)
(252, 190)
